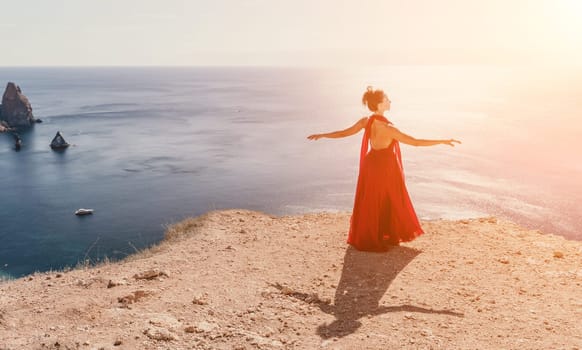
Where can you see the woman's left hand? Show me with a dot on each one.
(315, 136)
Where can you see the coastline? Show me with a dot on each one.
(240, 279)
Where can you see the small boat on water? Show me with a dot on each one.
(83, 211)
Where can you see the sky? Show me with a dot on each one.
(297, 32)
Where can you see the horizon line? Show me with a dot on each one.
(313, 65)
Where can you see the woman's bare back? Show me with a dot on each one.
(380, 137)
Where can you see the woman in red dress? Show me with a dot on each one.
(383, 214)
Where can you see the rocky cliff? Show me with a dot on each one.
(238, 279)
(15, 109)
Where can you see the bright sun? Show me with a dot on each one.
(567, 21)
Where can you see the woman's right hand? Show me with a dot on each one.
(451, 142)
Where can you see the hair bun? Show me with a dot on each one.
(372, 98)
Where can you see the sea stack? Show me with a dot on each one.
(15, 109)
(4, 127)
(17, 142)
(59, 142)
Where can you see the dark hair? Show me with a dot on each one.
(372, 98)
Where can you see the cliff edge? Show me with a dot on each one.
(239, 279)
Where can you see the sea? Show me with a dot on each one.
(151, 146)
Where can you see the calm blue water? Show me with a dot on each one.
(155, 145)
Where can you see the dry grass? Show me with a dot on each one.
(184, 228)
(174, 232)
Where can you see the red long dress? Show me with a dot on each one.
(383, 214)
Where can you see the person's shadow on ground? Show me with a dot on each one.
(364, 280)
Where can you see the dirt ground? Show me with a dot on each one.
(238, 279)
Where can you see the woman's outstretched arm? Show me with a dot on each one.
(409, 140)
(354, 129)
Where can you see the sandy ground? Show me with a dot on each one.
(239, 279)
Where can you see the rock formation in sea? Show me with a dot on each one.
(15, 109)
(17, 141)
(3, 125)
(59, 142)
